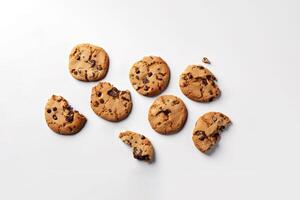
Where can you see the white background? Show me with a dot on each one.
(254, 47)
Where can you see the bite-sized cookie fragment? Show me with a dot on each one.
(142, 148)
(198, 84)
(150, 76)
(205, 60)
(167, 114)
(88, 62)
(110, 103)
(208, 129)
(61, 118)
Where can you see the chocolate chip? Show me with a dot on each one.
(150, 74)
(54, 109)
(210, 92)
(175, 102)
(143, 137)
(124, 98)
(201, 135)
(145, 80)
(114, 92)
(96, 103)
(159, 76)
(101, 101)
(190, 76)
(204, 81)
(49, 111)
(78, 57)
(99, 67)
(210, 99)
(146, 88)
(99, 94)
(69, 118)
(75, 72)
(54, 117)
(109, 110)
(166, 112)
(137, 71)
(137, 153)
(137, 77)
(92, 62)
(209, 77)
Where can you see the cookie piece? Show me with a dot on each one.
(142, 148)
(205, 60)
(207, 130)
(88, 62)
(150, 76)
(198, 84)
(167, 114)
(61, 118)
(110, 103)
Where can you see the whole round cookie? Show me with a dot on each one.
(150, 76)
(142, 148)
(167, 114)
(198, 84)
(208, 129)
(110, 103)
(88, 62)
(61, 118)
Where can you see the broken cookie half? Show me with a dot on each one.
(61, 118)
(208, 128)
(141, 146)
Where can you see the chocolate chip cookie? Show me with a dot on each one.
(110, 103)
(61, 118)
(88, 62)
(167, 114)
(141, 146)
(150, 76)
(208, 129)
(198, 84)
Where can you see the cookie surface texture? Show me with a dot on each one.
(208, 129)
(150, 76)
(109, 103)
(198, 84)
(88, 62)
(142, 148)
(167, 114)
(61, 118)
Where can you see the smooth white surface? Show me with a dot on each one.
(254, 47)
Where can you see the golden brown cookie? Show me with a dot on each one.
(110, 103)
(167, 114)
(150, 76)
(141, 146)
(198, 84)
(88, 62)
(61, 118)
(208, 129)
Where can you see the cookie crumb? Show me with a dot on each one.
(205, 60)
